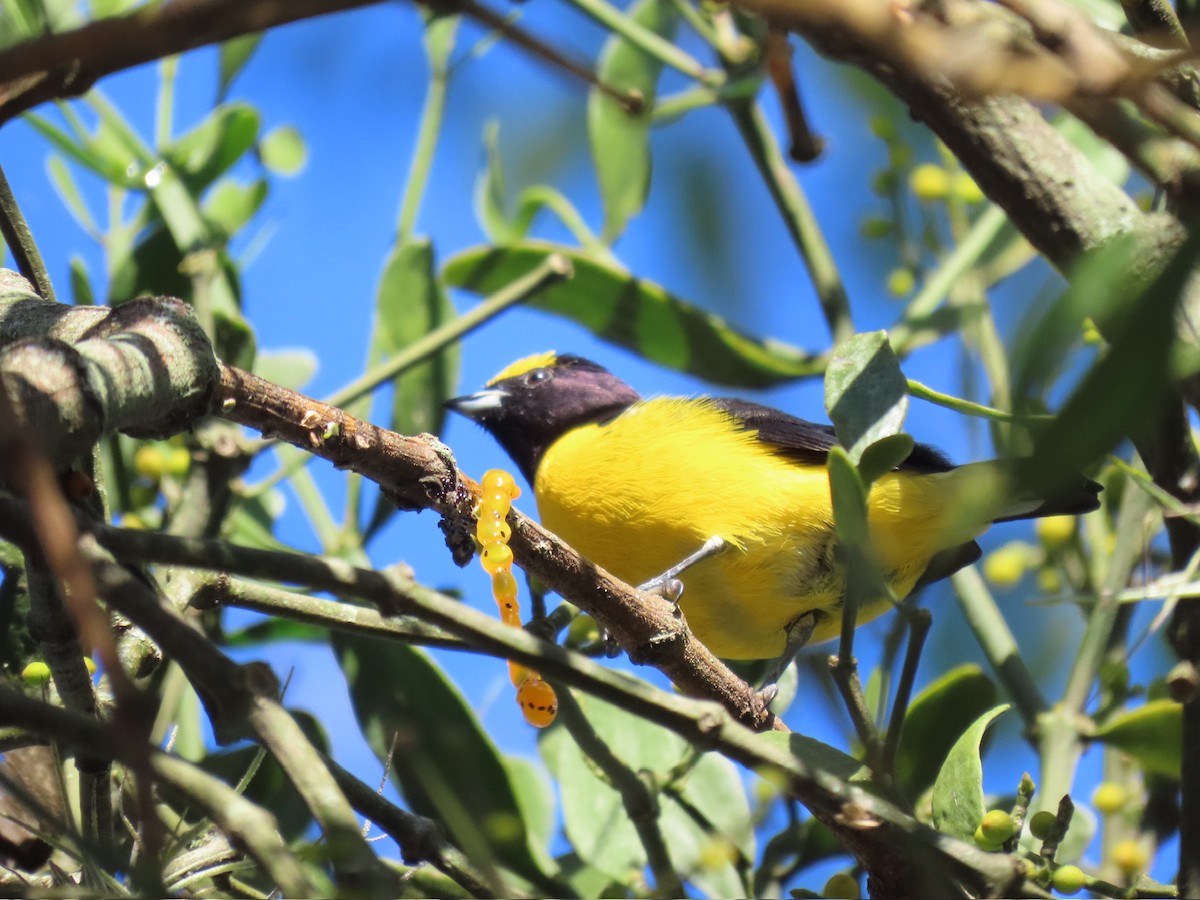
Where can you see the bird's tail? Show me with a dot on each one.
(993, 486)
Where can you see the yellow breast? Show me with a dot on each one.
(642, 492)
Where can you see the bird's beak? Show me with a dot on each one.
(473, 406)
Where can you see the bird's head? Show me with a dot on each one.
(536, 400)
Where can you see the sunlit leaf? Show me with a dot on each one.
(866, 394)
(1152, 734)
(212, 147)
(936, 716)
(637, 314)
(235, 54)
(620, 139)
(444, 763)
(958, 790)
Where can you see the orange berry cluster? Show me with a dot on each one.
(536, 698)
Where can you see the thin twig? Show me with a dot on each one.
(19, 238)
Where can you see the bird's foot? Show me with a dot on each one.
(668, 584)
(798, 633)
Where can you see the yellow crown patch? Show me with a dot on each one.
(528, 364)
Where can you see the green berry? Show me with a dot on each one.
(1068, 879)
(1109, 798)
(997, 826)
(883, 128)
(1042, 824)
(983, 842)
(884, 182)
(900, 282)
(36, 673)
(875, 228)
(842, 886)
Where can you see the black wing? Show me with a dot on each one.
(809, 442)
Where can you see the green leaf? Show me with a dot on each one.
(491, 193)
(81, 285)
(283, 150)
(441, 30)
(234, 55)
(637, 314)
(884, 455)
(1152, 734)
(274, 631)
(1127, 383)
(620, 140)
(535, 797)
(69, 193)
(409, 303)
(710, 796)
(270, 787)
(444, 763)
(849, 497)
(866, 394)
(230, 205)
(945, 708)
(816, 755)
(212, 147)
(109, 163)
(251, 522)
(958, 790)
(289, 368)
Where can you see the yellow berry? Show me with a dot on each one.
(538, 701)
(1110, 798)
(1049, 581)
(997, 826)
(1130, 857)
(504, 585)
(929, 181)
(1068, 879)
(1055, 531)
(843, 886)
(901, 281)
(1091, 334)
(966, 189)
(36, 673)
(1005, 565)
(496, 557)
(150, 462)
(1041, 824)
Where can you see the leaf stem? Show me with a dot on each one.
(644, 39)
(19, 238)
(998, 644)
(797, 216)
(433, 112)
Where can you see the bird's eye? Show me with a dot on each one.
(536, 376)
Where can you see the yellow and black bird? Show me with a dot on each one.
(637, 485)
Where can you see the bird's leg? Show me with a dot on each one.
(798, 632)
(668, 585)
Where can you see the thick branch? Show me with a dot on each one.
(69, 63)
